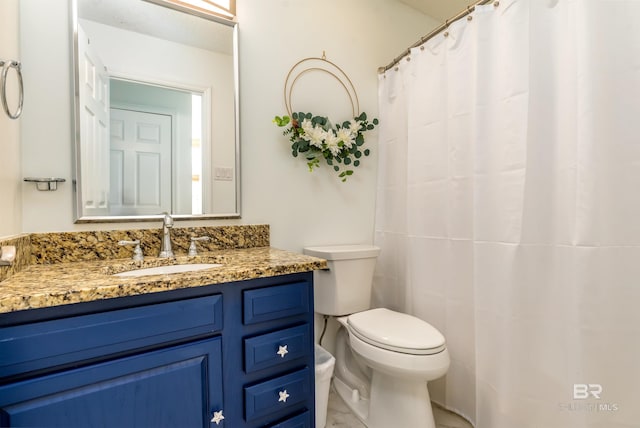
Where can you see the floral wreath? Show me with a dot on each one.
(315, 137)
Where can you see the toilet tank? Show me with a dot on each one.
(344, 288)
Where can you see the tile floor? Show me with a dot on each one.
(339, 416)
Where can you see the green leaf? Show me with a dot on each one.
(367, 152)
(308, 116)
(295, 153)
(281, 121)
(358, 154)
(359, 140)
(295, 116)
(356, 163)
(375, 121)
(347, 161)
(336, 168)
(369, 127)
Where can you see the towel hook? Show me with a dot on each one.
(6, 65)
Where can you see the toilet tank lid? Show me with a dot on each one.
(343, 252)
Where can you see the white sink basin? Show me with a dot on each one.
(165, 270)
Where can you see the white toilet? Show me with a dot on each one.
(384, 359)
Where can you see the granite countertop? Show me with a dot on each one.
(47, 285)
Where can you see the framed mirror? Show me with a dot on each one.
(156, 113)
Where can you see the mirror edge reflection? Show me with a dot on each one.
(78, 214)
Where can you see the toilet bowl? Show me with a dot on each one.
(397, 344)
(384, 358)
(399, 369)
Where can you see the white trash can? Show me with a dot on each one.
(324, 370)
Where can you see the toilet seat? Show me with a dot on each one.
(396, 332)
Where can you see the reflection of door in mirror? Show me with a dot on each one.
(156, 150)
(140, 163)
(94, 130)
(147, 157)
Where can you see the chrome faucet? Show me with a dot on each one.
(167, 224)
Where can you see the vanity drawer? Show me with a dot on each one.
(277, 394)
(272, 349)
(271, 303)
(47, 344)
(301, 421)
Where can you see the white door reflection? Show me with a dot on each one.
(156, 149)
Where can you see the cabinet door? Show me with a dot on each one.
(177, 386)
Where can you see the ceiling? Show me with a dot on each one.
(157, 21)
(151, 19)
(439, 9)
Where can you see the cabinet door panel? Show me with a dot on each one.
(47, 344)
(179, 386)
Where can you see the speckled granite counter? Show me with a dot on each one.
(41, 286)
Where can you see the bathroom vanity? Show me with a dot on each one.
(189, 349)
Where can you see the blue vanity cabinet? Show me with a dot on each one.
(235, 355)
(173, 387)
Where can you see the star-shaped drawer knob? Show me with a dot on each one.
(217, 417)
(282, 351)
(283, 396)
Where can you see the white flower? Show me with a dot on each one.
(345, 135)
(354, 126)
(332, 142)
(316, 136)
(306, 126)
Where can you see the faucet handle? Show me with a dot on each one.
(193, 251)
(7, 255)
(137, 251)
(167, 220)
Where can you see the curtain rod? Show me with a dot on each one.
(433, 33)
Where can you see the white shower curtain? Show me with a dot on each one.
(509, 210)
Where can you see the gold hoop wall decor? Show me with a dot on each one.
(331, 69)
(315, 137)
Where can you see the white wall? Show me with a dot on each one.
(302, 208)
(10, 171)
(47, 131)
(358, 35)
